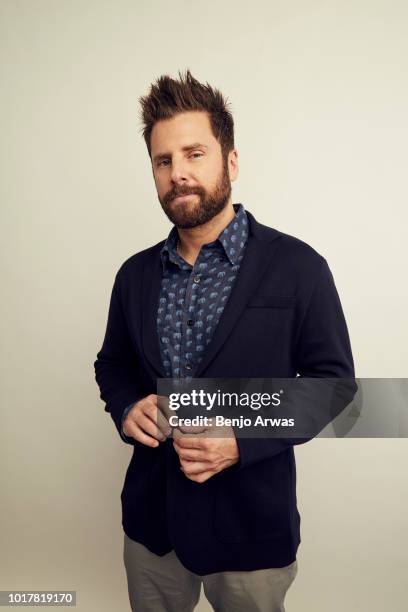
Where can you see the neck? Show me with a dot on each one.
(191, 240)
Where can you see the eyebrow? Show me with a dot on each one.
(195, 145)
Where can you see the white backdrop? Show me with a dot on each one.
(319, 96)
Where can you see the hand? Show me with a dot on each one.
(203, 455)
(146, 423)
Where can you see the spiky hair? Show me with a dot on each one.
(169, 97)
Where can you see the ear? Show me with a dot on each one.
(233, 168)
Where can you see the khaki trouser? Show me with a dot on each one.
(163, 584)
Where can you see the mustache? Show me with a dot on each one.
(174, 194)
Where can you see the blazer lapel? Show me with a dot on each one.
(256, 259)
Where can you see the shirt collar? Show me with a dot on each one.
(232, 239)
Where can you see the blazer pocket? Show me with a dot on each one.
(253, 503)
(272, 301)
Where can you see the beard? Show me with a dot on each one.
(188, 214)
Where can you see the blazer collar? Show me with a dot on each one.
(256, 259)
(229, 250)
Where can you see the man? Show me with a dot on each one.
(222, 297)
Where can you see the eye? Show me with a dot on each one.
(162, 162)
(196, 153)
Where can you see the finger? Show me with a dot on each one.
(149, 427)
(191, 468)
(200, 478)
(152, 412)
(163, 404)
(192, 429)
(177, 434)
(188, 441)
(192, 454)
(152, 398)
(141, 436)
(163, 424)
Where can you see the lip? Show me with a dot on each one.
(183, 197)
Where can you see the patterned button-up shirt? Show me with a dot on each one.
(192, 298)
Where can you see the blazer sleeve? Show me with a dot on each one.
(322, 350)
(115, 370)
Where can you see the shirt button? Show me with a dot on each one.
(196, 279)
(190, 322)
(189, 366)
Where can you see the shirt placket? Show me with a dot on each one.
(187, 348)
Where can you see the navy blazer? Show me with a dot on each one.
(283, 319)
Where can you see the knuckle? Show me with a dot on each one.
(150, 408)
(137, 418)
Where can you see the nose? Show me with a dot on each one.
(178, 171)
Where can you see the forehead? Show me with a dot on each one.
(181, 130)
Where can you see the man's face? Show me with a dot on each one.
(193, 181)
